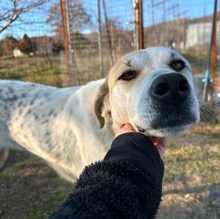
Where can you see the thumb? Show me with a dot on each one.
(125, 128)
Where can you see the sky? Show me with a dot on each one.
(33, 22)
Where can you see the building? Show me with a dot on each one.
(199, 33)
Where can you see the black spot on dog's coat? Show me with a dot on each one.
(129, 63)
(11, 90)
(34, 99)
(23, 95)
(45, 121)
(50, 113)
(29, 111)
(20, 103)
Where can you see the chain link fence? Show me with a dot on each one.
(74, 41)
(106, 36)
(70, 42)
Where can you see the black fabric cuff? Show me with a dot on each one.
(138, 149)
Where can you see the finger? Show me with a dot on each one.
(125, 128)
(160, 144)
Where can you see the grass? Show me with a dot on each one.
(34, 69)
(53, 72)
(191, 184)
(34, 185)
(53, 200)
(198, 58)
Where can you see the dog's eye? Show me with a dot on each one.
(128, 75)
(177, 65)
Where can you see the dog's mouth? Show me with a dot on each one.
(140, 129)
(159, 142)
(164, 132)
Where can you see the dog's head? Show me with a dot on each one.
(152, 89)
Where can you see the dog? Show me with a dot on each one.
(152, 89)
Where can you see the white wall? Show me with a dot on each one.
(200, 33)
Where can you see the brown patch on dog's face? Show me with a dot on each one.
(102, 108)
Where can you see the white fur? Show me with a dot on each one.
(60, 124)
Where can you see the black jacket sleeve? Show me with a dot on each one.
(126, 184)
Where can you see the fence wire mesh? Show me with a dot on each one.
(97, 34)
(71, 42)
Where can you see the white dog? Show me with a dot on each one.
(71, 127)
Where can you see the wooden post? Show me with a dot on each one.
(135, 14)
(67, 44)
(100, 39)
(108, 33)
(153, 30)
(140, 25)
(138, 22)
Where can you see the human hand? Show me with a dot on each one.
(159, 143)
(125, 128)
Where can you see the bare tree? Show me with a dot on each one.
(26, 46)
(14, 9)
(8, 45)
(108, 32)
(116, 39)
(77, 15)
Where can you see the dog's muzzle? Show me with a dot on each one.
(170, 88)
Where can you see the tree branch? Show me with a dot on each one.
(16, 10)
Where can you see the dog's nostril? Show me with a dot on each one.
(170, 88)
(161, 89)
(183, 85)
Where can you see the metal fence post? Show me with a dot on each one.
(207, 79)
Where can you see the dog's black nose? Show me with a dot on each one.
(171, 88)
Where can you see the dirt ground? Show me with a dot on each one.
(188, 196)
(30, 189)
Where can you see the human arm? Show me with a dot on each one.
(126, 184)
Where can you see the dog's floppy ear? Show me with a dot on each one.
(102, 107)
